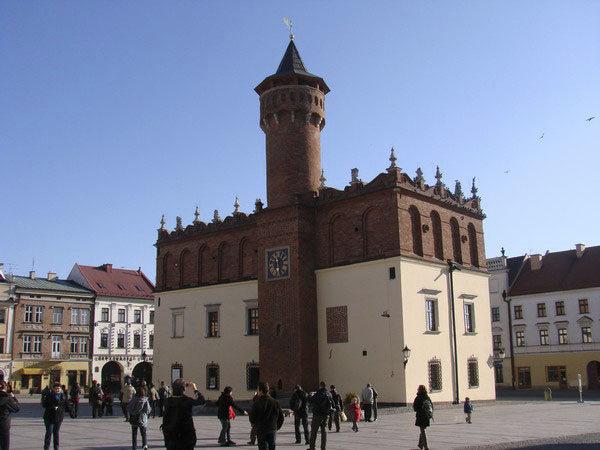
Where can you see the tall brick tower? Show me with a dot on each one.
(292, 115)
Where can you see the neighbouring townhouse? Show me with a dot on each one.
(123, 339)
(7, 310)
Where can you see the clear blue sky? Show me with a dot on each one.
(113, 113)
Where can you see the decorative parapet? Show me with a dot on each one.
(198, 228)
(497, 263)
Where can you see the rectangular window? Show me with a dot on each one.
(473, 373)
(137, 341)
(544, 340)
(37, 344)
(541, 309)
(253, 321)
(75, 316)
(469, 317)
(74, 344)
(495, 314)
(39, 314)
(56, 346)
(586, 335)
(83, 341)
(520, 338)
(151, 341)
(584, 307)
(2, 315)
(518, 311)
(121, 340)
(28, 314)
(553, 372)
(104, 314)
(177, 324)
(137, 316)
(252, 376)
(435, 375)
(497, 341)
(121, 315)
(84, 317)
(212, 377)
(57, 315)
(560, 308)
(26, 344)
(562, 336)
(151, 321)
(499, 373)
(2, 345)
(430, 315)
(213, 323)
(104, 340)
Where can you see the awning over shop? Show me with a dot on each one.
(29, 371)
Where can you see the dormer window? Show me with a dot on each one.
(120, 286)
(139, 288)
(101, 285)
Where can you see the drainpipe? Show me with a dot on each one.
(452, 266)
(510, 339)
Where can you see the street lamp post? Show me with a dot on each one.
(510, 339)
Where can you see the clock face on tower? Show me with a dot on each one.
(278, 263)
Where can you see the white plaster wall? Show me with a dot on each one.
(232, 350)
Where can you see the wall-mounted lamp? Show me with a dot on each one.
(501, 353)
(406, 352)
(385, 314)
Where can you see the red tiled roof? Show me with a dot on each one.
(560, 271)
(107, 281)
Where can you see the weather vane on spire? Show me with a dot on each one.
(288, 23)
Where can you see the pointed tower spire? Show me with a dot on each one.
(392, 161)
(216, 216)
(323, 180)
(197, 215)
(236, 206)
(438, 177)
(179, 223)
(474, 189)
(162, 224)
(458, 190)
(419, 176)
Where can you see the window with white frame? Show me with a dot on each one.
(431, 314)
(57, 315)
(252, 319)
(435, 375)
(137, 340)
(121, 315)
(586, 335)
(120, 339)
(56, 346)
(28, 314)
(562, 336)
(469, 317)
(26, 344)
(83, 344)
(75, 316)
(37, 344)
(497, 339)
(473, 372)
(212, 376)
(520, 338)
(544, 339)
(104, 315)
(495, 314)
(177, 323)
(74, 344)
(137, 316)
(39, 314)
(84, 316)
(104, 340)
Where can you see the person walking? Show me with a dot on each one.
(375, 395)
(338, 406)
(252, 440)
(96, 399)
(138, 409)
(55, 404)
(178, 424)
(423, 408)
(366, 400)
(107, 402)
(225, 403)
(354, 413)
(322, 407)
(267, 417)
(299, 404)
(162, 395)
(75, 397)
(8, 405)
(468, 408)
(127, 394)
(153, 398)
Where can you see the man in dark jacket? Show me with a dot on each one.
(8, 405)
(299, 404)
(338, 405)
(96, 399)
(55, 404)
(224, 403)
(267, 416)
(322, 406)
(178, 424)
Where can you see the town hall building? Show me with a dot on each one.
(382, 282)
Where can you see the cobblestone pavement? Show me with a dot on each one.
(530, 425)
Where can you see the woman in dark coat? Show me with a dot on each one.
(423, 418)
(8, 405)
(55, 404)
(75, 397)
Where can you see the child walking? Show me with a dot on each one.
(468, 409)
(354, 413)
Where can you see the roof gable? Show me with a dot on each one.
(109, 282)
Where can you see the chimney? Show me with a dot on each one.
(52, 276)
(536, 261)
(32, 274)
(108, 268)
(579, 249)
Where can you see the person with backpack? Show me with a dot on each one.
(96, 399)
(299, 404)
(138, 409)
(423, 408)
(267, 416)
(366, 400)
(226, 405)
(338, 406)
(468, 409)
(8, 405)
(55, 403)
(178, 424)
(322, 407)
(75, 397)
(127, 394)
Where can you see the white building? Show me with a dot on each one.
(123, 339)
(7, 311)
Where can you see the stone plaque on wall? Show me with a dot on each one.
(337, 324)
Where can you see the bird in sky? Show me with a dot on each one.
(590, 119)
(506, 171)
(542, 136)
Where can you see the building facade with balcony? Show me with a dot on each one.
(123, 339)
(554, 302)
(52, 332)
(7, 310)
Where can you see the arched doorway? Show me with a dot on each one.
(593, 375)
(141, 372)
(111, 376)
